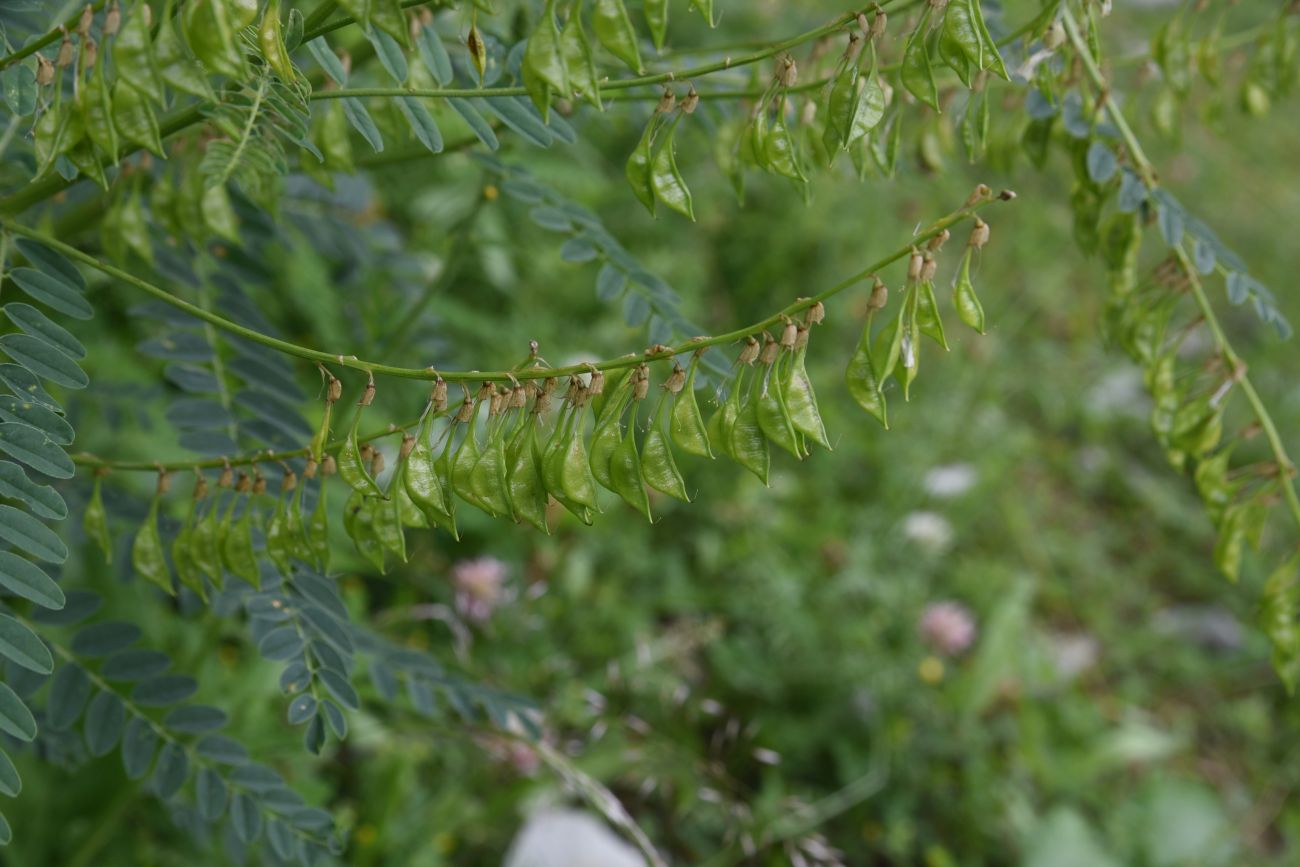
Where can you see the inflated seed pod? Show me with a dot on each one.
(686, 425)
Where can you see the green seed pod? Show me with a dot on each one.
(351, 460)
(237, 548)
(359, 523)
(748, 445)
(686, 425)
(801, 401)
(964, 298)
(95, 520)
(774, 414)
(147, 551)
(205, 545)
(927, 314)
(527, 493)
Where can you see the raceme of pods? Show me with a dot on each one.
(510, 449)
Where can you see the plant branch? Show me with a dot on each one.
(431, 373)
(1147, 172)
(86, 459)
(54, 34)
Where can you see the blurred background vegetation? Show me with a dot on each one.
(993, 634)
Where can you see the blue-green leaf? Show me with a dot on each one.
(133, 665)
(138, 745)
(15, 719)
(170, 772)
(31, 536)
(245, 818)
(37, 324)
(25, 579)
(101, 639)
(195, 719)
(34, 449)
(68, 694)
(20, 644)
(210, 794)
(165, 690)
(52, 292)
(105, 720)
(11, 784)
(53, 426)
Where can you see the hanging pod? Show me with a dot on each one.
(909, 355)
(959, 41)
(928, 321)
(187, 569)
(626, 477)
(613, 28)
(95, 520)
(409, 514)
(748, 445)
(543, 67)
(606, 436)
(351, 466)
(386, 523)
(205, 544)
(917, 72)
(580, 62)
(686, 424)
(665, 178)
(774, 418)
(488, 476)
(801, 400)
(528, 496)
(295, 529)
(781, 155)
(277, 535)
(658, 465)
(864, 377)
(318, 526)
(237, 553)
(359, 524)
(964, 298)
(724, 419)
(565, 469)
(270, 39)
(465, 457)
(424, 485)
(147, 556)
(638, 168)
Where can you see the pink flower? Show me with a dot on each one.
(947, 627)
(480, 587)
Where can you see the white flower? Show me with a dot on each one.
(928, 529)
(950, 480)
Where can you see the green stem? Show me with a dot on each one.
(1144, 168)
(1286, 468)
(86, 459)
(605, 86)
(54, 34)
(430, 373)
